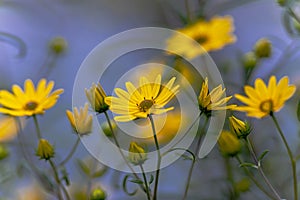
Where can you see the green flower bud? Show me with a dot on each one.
(137, 154)
(58, 45)
(249, 60)
(240, 128)
(45, 150)
(98, 194)
(96, 97)
(263, 48)
(229, 144)
(243, 185)
(3, 152)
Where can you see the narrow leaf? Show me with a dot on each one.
(137, 181)
(151, 179)
(263, 155)
(124, 185)
(249, 165)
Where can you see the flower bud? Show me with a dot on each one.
(3, 152)
(240, 128)
(98, 194)
(229, 144)
(243, 185)
(96, 97)
(45, 150)
(137, 154)
(58, 45)
(263, 48)
(249, 60)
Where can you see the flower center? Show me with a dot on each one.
(266, 106)
(31, 105)
(146, 105)
(202, 39)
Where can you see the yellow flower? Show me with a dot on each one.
(240, 128)
(263, 100)
(213, 100)
(137, 155)
(229, 144)
(80, 121)
(31, 101)
(211, 35)
(149, 98)
(9, 128)
(45, 150)
(96, 96)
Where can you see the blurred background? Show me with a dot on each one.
(28, 28)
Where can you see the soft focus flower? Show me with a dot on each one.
(58, 45)
(96, 96)
(137, 154)
(80, 120)
(211, 35)
(229, 144)
(263, 48)
(30, 192)
(9, 128)
(31, 101)
(250, 60)
(214, 100)
(98, 194)
(149, 98)
(240, 128)
(45, 150)
(263, 100)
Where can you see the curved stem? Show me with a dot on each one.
(291, 157)
(118, 145)
(194, 161)
(71, 152)
(146, 182)
(261, 171)
(158, 158)
(38, 130)
(251, 176)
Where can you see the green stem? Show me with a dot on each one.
(119, 148)
(187, 10)
(261, 171)
(291, 157)
(146, 182)
(56, 177)
(38, 130)
(251, 176)
(158, 158)
(194, 161)
(234, 193)
(71, 152)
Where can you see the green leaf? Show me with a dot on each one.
(137, 181)
(83, 167)
(249, 165)
(124, 185)
(263, 155)
(151, 179)
(65, 176)
(298, 111)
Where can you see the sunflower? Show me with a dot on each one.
(148, 98)
(211, 35)
(213, 100)
(263, 100)
(31, 101)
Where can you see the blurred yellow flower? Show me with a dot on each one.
(31, 101)
(211, 35)
(9, 128)
(96, 96)
(137, 155)
(229, 144)
(149, 98)
(263, 100)
(81, 122)
(214, 100)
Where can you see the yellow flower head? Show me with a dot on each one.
(211, 35)
(80, 121)
(240, 128)
(45, 150)
(137, 155)
(31, 101)
(263, 100)
(149, 98)
(213, 100)
(229, 144)
(96, 96)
